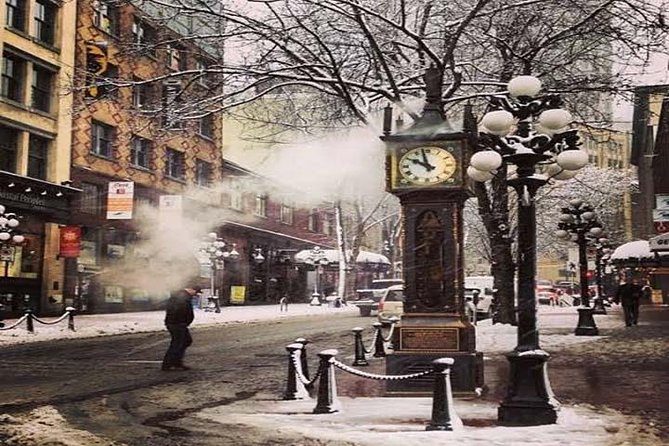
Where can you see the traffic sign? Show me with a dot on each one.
(661, 227)
(659, 243)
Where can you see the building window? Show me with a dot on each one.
(16, 12)
(261, 205)
(202, 77)
(175, 58)
(171, 95)
(287, 214)
(202, 173)
(312, 221)
(105, 16)
(236, 197)
(89, 201)
(174, 164)
(42, 86)
(102, 139)
(326, 225)
(140, 95)
(8, 142)
(45, 21)
(207, 126)
(12, 77)
(140, 151)
(143, 37)
(37, 157)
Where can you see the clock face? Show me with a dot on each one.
(427, 165)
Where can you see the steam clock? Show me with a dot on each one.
(425, 170)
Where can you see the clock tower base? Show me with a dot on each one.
(422, 338)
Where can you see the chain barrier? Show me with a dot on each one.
(376, 335)
(29, 318)
(297, 363)
(362, 374)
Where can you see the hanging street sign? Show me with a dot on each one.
(659, 243)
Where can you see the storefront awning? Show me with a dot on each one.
(331, 257)
(638, 251)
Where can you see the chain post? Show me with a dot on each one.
(295, 390)
(303, 357)
(393, 326)
(379, 350)
(444, 417)
(360, 359)
(327, 386)
(29, 321)
(70, 318)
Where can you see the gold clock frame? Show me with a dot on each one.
(396, 181)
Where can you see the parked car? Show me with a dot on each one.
(391, 303)
(367, 299)
(546, 298)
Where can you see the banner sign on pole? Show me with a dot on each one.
(70, 241)
(119, 200)
(661, 201)
(659, 243)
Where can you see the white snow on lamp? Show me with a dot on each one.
(479, 175)
(572, 159)
(596, 231)
(4, 236)
(527, 86)
(555, 119)
(576, 202)
(486, 160)
(18, 238)
(561, 233)
(588, 215)
(498, 122)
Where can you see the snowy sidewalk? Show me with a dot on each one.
(94, 325)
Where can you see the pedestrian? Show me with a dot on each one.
(178, 316)
(629, 294)
(283, 303)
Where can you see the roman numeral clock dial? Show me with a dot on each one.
(425, 166)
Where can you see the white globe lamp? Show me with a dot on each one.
(528, 86)
(498, 122)
(486, 160)
(555, 119)
(479, 175)
(572, 159)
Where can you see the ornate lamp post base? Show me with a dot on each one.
(529, 400)
(586, 323)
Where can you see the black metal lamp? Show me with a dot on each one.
(578, 222)
(527, 131)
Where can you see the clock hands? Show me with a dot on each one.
(424, 162)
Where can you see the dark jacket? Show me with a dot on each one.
(628, 294)
(179, 309)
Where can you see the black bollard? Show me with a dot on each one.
(359, 347)
(295, 390)
(303, 357)
(444, 417)
(70, 318)
(327, 386)
(29, 321)
(379, 350)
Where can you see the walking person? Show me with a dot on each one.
(178, 316)
(629, 295)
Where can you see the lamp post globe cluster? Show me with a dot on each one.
(215, 249)
(9, 223)
(528, 131)
(579, 224)
(602, 251)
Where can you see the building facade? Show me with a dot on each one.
(37, 45)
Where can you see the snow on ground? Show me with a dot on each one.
(362, 421)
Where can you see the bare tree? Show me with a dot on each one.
(353, 56)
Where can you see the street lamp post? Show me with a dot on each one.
(542, 137)
(9, 236)
(578, 222)
(213, 247)
(317, 258)
(602, 248)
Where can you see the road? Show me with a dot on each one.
(102, 384)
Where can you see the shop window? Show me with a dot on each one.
(174, 164)
(261, 205)
(13, 69)
(105, 17)
(16, 14)
(140, 152)
(102, 139)
(202, 77)
(42, 86)
(202, 173)
(89, 199)
(37, 157)
(45, 21)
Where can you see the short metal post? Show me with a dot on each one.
(303, 357)
(393, 326)
(359, 347)
(70, 318)
(444, 417)
(295, 389)
(29, 321)
(327, 386)
(379, 350)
